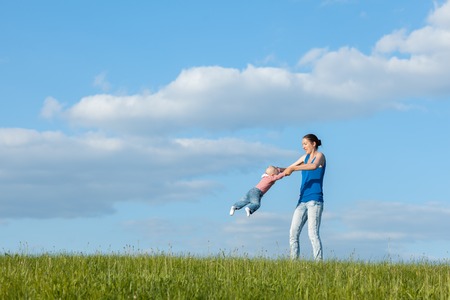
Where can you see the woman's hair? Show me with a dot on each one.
(313, 138)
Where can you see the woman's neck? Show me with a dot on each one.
(311, 156)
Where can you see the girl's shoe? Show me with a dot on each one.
(247, 210)
(232, 210)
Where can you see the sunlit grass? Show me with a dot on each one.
(165, 276)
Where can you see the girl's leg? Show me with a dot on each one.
(298, 220)
(243, 202)
(315, 209)
(255, 199)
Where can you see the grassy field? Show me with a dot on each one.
(66, 276)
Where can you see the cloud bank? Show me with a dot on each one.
(125, 139)
(344, 83)
(373, 230)
(86, 175)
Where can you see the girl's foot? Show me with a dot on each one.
(247, 210)
(232, 210)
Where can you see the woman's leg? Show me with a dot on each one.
(298, 220)
(315, 209)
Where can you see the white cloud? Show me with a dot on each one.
(312, 56)
(341, 84)
(431, 43)
(214, 98)
(86, 175)
(440, 16)
(386, 230)
(398, 221)
(51, 108)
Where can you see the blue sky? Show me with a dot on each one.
(134, 126)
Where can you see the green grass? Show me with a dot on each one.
(66, 276)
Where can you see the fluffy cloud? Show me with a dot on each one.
(86, 175)
(341, 83)
(386, 230)
(139, 154)
(397, 221)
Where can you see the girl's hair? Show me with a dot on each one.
(313, 138)
(270, 170)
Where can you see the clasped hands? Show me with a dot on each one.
(288, 171)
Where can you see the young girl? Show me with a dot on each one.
(252, 200)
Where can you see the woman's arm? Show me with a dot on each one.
(292, 167)
(299, 161)
(318, 162)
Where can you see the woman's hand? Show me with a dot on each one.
(288, 171)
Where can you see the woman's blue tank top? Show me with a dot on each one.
(312, 183)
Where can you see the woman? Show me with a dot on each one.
(310, 204)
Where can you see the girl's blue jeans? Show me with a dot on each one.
(252, 199)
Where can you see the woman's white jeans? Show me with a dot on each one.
(310, 211)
